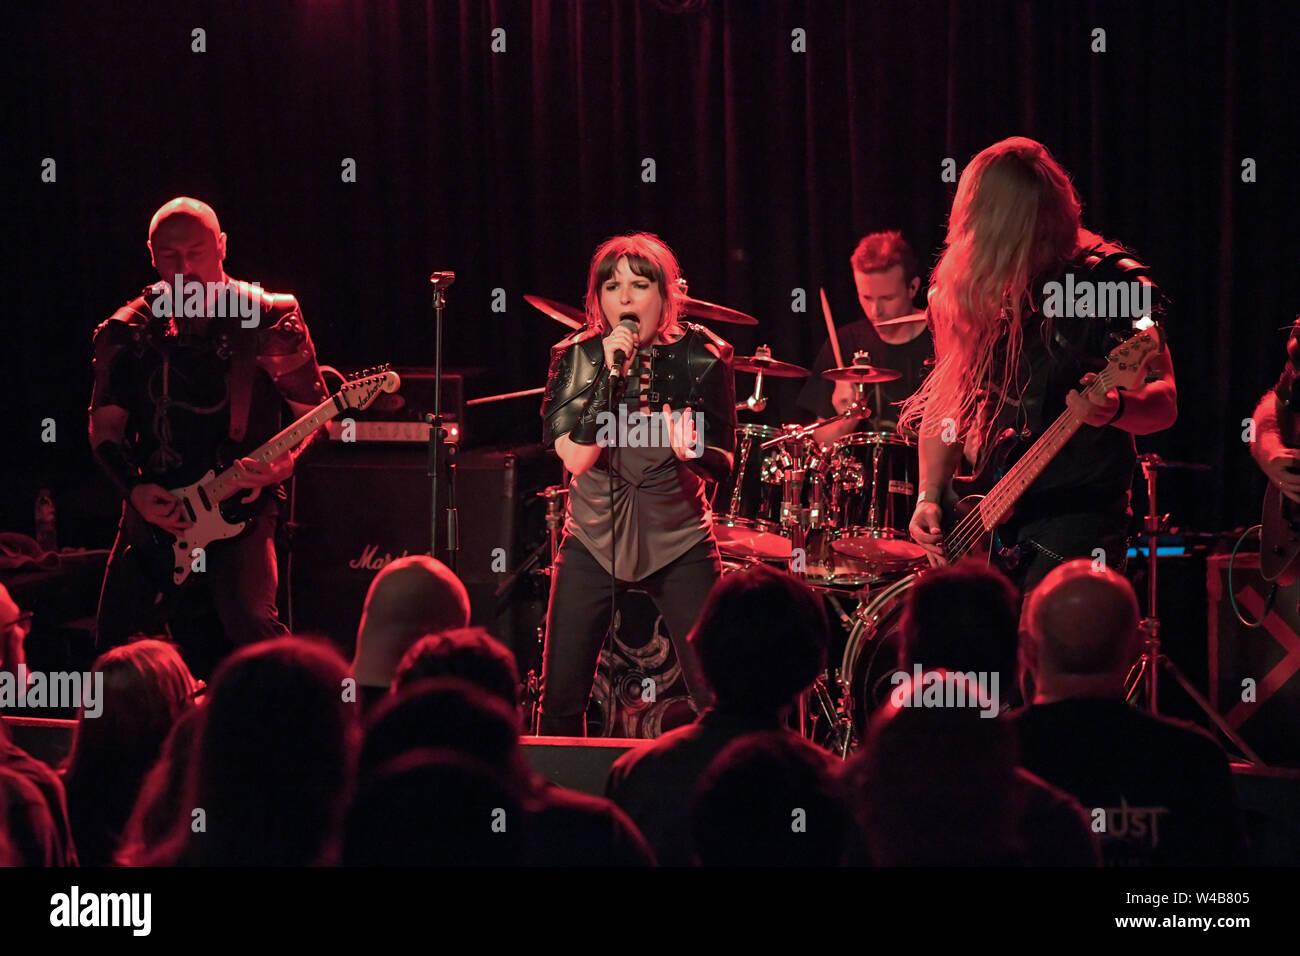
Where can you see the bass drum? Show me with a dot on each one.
(871, 653)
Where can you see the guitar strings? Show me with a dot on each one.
(968, 531)
(972, 527)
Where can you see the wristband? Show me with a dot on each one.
(1119, 393)
(112, 458)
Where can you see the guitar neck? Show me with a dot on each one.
(997, 504)
(223, 485)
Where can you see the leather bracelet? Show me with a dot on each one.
(1119, 393)
(112, 458)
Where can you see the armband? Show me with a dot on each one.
(112, 458)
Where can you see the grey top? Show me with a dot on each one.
(659, 508)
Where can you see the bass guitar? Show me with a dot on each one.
(974, 517)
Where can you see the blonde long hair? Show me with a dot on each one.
(647, 256)
(1015, 215)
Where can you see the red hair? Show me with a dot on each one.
(648, 256)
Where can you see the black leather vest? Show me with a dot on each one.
(695, 372)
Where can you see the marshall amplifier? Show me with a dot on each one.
(355, 507)
(399, 417)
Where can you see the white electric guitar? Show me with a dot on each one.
(202, 501)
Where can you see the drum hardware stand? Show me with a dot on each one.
(817, 704)
(556, 496)
(441, 282)
(1142, 683)
(758, 401)
(799, 432)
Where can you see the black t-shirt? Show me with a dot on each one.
(908, 358)
(196, 422)
(176, 386)
(1164, 786)
(1093, 472)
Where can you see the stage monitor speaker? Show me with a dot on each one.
(356, 507)
(576, 762)
(1255, 672)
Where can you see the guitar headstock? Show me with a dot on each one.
(361, 391)
(1126, 363)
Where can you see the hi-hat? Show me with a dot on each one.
(762, 362)
(864, 374)
(564, 314)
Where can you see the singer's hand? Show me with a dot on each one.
(684, 436)
(624, 340)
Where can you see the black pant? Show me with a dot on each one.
(239, 573)
(1043, 543)
(578, 617)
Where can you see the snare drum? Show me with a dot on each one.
(873, 478)
(747, 505)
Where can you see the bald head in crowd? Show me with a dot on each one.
(409, 598)
(1080, 631)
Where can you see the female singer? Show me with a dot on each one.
(640, 434)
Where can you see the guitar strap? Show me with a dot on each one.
(240, 379)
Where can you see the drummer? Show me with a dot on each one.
(887, 279)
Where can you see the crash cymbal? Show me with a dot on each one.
(865, 374)
(902, 320)
(564, 314)
(762, 361)
(709, 312)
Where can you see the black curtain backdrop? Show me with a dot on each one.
(509, 167)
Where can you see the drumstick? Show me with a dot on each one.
(830, 329)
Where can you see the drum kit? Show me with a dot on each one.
(835, 514)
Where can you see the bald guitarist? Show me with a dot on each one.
(183, 385)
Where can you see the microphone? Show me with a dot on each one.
(627, 321)
(442, 280)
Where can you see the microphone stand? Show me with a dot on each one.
(441, 281)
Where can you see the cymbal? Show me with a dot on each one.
(864, 374)
(564, 314)
(709, 312)
(902, 320)
(768, 366)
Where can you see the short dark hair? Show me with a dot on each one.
(432, 807)
(761, 639)
(937, 786)
(468, 652)
(253, 763)
(447, 713)
(962, 618)
(743, 809)
(879, 251)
